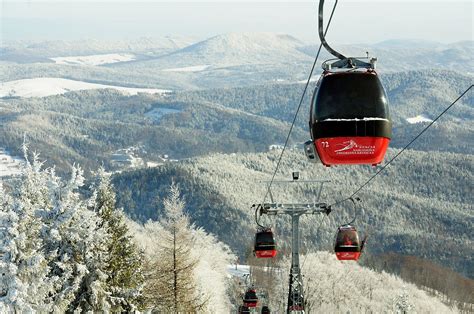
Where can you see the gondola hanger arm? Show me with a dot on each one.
(322, 35)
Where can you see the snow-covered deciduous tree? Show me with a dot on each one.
(123, 258)
(170, 282)
(183, 259)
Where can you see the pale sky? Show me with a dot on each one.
(354, 21)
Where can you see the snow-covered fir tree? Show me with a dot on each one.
(75, 245)
(56, 253)
(24, 269)
(123, 258)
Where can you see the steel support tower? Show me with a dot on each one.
(295, 211)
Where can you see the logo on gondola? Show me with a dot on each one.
(352, 148)
(347, 145)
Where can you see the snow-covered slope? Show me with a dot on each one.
(95, 59)
(333, 286)
(47, 86)
(341, 287)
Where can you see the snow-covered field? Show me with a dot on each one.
(418, 119)
(9, 166)
(47, 86)
(95, 59)
(195, 68)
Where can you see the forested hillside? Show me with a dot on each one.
(419, 206)
(89, 126)
(410, 94)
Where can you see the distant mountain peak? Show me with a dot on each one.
(245, 48)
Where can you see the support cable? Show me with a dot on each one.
(297, 111)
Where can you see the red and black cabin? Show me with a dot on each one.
(250, 298)
(349, 118)
(265, 246)
(348, 245)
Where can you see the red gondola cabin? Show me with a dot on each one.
(348, 246)
(265, 246)
(349, 118)
(250, 298)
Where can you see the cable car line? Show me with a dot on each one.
(403, 149)
(299, 106)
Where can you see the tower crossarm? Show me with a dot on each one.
(295, 209)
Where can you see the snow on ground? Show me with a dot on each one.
(195, 68)
(157, 113)
(47, 86)
(241, 271)
(9, 166)
(418, 119)
(238, 270)
(95, 59)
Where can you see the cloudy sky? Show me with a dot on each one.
(354, 21)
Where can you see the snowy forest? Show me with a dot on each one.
(62, 253)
